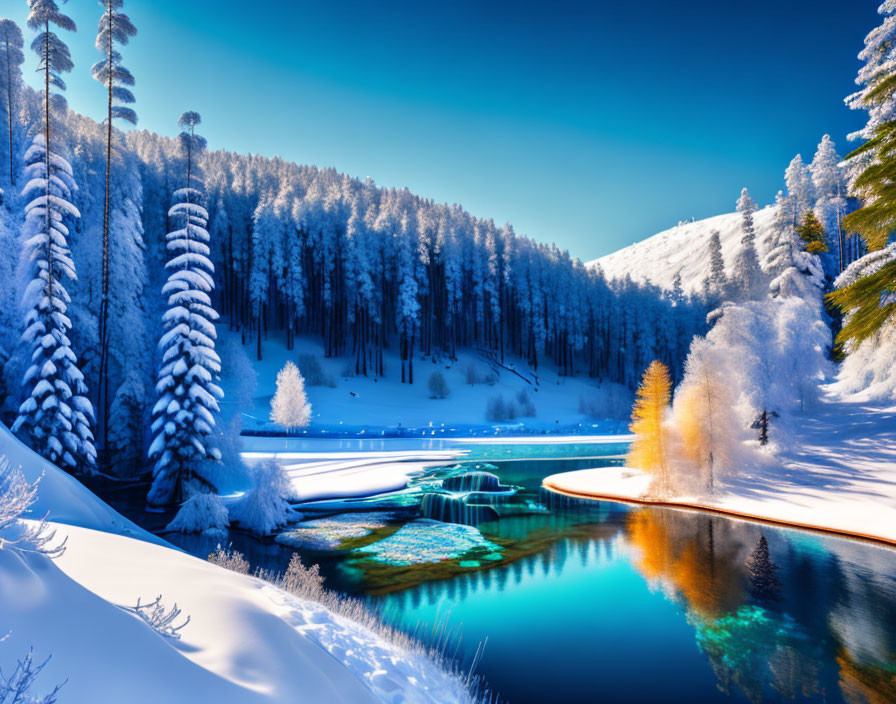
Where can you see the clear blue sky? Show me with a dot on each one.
(590, 124)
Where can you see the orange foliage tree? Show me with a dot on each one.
(649, 450)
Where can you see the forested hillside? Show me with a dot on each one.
(299, 250)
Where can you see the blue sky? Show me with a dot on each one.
(591, 124)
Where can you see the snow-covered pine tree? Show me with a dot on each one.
(830, 192)
(748, 280)
(12, 57)
(799, 188)
(115, 27)
(793, 271)
(289, 406)
(717, 280)
(867, 286)
(184, 415)
(56, 417)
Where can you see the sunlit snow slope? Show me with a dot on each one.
(684, 249)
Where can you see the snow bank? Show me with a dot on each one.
(246, 640)
(62, 498)
(838, 473)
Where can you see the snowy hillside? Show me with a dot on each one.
(684, 250)
(246, 640)
(374, 405)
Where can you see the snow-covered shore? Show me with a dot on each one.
(838, 475)
(246, 640)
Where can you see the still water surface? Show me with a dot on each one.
(598, 602)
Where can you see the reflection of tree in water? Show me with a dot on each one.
(762, 578)
(866, 684)
(863, 624)
(703, 562)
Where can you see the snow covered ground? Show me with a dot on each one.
(386, 405)
(246, 641)
(332, 475)
(684, 250)
(839, 473)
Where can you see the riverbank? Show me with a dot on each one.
(838, 475)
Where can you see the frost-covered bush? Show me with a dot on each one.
(264, 507)
(500, 410)
(17, 495)
(201, 513)
(160, 618)
(438, 387)
(473, 375)
(313, 371)
(229, 560)
(609, 400)
(525, 404)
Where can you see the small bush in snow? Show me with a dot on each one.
(525, 404)
(438, 387)
(474, 375)
(264, 507)
(609, 400)
(314, 372)
(500, 410)
(199, 514)
(160, 618)
(16, 496)
(16, 687)
(229, 560)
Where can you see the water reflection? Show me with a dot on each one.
(773, 615)
(749, 613)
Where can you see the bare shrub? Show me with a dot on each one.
(438, 387)
(17, 495)
(609, 400)
(313, 372)
(159, 618)
(16, 687)
(473, 374)
(500, 410)
(229, 560)
(525, 404)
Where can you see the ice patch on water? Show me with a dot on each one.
(424, 541)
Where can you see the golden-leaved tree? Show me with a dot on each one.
(649, 451)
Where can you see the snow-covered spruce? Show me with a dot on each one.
(55, 416)
(748, 281)
(184, 415)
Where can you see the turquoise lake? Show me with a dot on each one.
(600, 602)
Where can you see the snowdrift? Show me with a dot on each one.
(246, 640)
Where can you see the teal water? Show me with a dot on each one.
(600, 602)
(650, 605)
